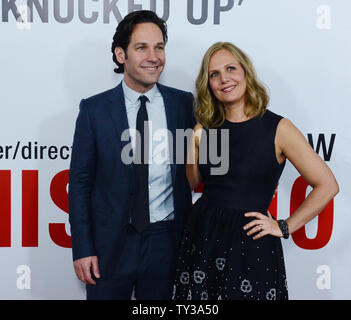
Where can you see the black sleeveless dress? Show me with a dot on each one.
(217, 260)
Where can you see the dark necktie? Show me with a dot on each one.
(140, 212)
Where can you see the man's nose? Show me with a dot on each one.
(152, 55)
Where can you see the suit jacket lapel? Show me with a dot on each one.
(172, 120)
(118, 113)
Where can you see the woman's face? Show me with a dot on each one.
(227, 78)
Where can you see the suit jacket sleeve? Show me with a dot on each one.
(81, 181)
(191, 110)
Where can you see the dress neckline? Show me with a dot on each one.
(241, 122)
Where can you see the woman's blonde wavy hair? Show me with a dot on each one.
(209, 110)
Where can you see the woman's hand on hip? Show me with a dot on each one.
(262, 225)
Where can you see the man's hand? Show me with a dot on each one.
(83, 268)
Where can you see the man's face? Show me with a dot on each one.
(145, 57)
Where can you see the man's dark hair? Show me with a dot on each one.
(125, 29)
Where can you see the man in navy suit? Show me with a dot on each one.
(126, 216)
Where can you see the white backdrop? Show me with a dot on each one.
(52, 58)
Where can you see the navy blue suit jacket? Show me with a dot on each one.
(101, 186)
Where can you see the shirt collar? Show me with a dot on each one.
(133, 95)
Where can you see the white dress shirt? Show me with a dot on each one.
(161, 205)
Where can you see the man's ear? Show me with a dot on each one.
(120, 55)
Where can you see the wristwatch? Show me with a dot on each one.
(284, 228)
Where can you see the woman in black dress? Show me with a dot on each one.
(231, 247)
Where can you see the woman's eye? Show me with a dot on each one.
(214, 74)
(231, 68)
